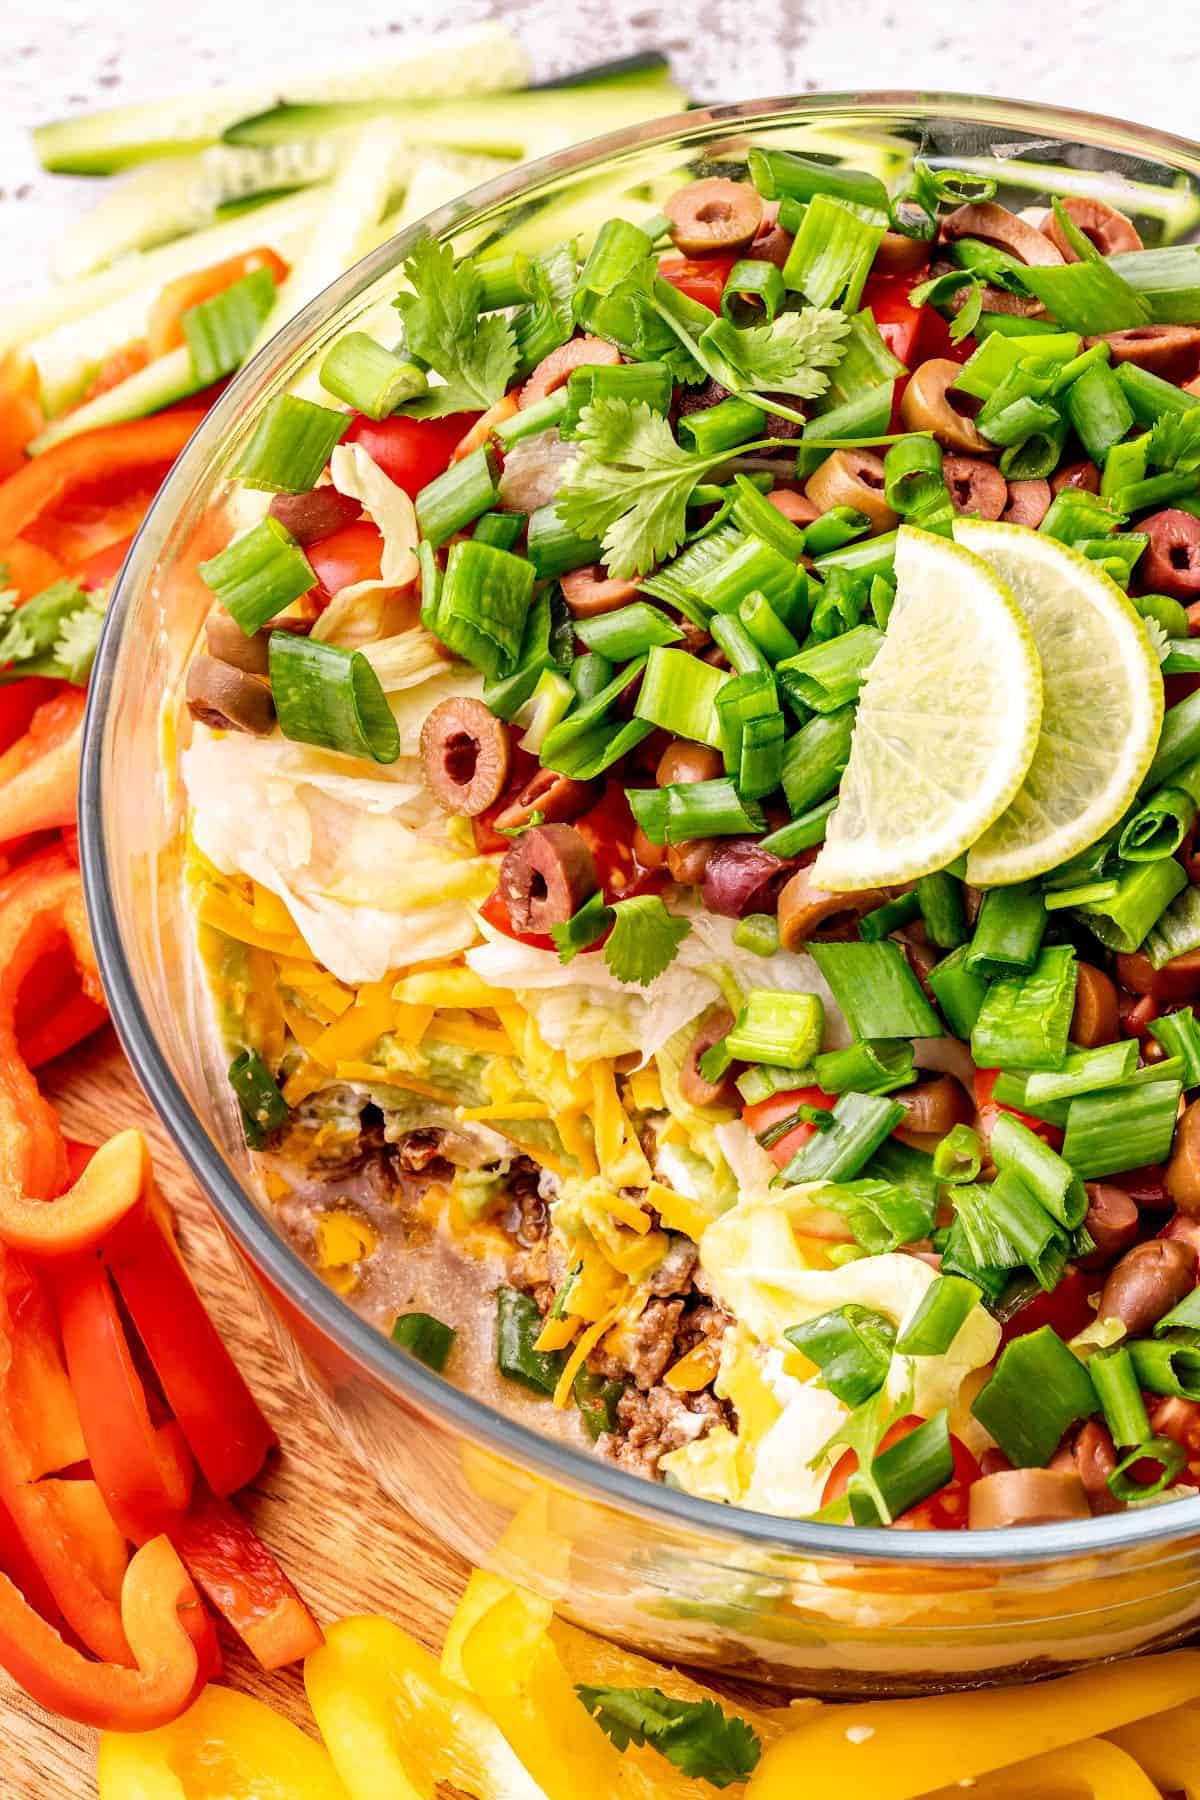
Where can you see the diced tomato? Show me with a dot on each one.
(1066, 1309)
(607, 829)
(355, 553)
(1177, 1418)
(764, 1113)
(913, 333)
(944, 1511)
(989, 1110)
(411, 451)
(700, 278)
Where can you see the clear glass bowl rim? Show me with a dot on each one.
(267, 1250)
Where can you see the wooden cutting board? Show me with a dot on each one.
(347, 1547)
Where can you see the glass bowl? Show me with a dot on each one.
(817, 1606)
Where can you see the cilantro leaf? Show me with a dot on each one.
(644, 940)
(476, 357)
(1175, 442)
(585, 927)
(786, 357)
(55, 633)
(629, 484)
(694, 1735)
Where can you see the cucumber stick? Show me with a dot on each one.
(514, 125)
(478, 60)
(161, 383)
(1177, 207)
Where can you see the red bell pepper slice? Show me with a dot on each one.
(18, 703)
(171, 1637)
(243, 1581)
(143, 1471)
(218, 1415)
(102, 460)
(39, 771)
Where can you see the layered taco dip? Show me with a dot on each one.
(692, 773)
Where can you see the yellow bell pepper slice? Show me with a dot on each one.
(226, 1746)
(482, 1592)
(899, 1749)
(1092, 1770)
(1168, 1748)
(396, 1727)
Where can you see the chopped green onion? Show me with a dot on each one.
(760, 286)
(531, 421)
(1037, 1391)
(596, 750)
(940, 900)
(290, 446)
(679, 693)
(731, 422)
(865, 1068)
(1155, 490)
(1177, 931)
(1149, 396)
(1144, 892)
(802, 833)
(945, 1306)
(1179, 1035)
(1024, 1020)
(852, 1347)
(1183, 654)
(1051, 1180)
(700, 809)
(758, 933)
(332, 697)
(1098, 410)
(1011, 1089)
(1116, 1383)
(589, 675)
(781, 174)
(889, 917)
(547, 706)
(958, 990)
(627, 632)
(828, 676)
(1179, 740)
(959, 1156)
(1164, 1365)
(480, 607)
(753, 566)
(369, 377)
(867, 558)
(912, 473)
(553, 548)
(258, 575)
(1160, 825)
(762, 1081)
(596, 1397)
(814, 758)
(1059, 899)
(860, 1124)
(744, 655)
(1096, 356)
(1084, 1071)
(454, 499)
(502, 530)
(1167, 277)
(424, 1337)
(905, 1474)
(764, 626)
(864, 419)
(761, 761)
(1121, 1128)
(518, 1327)
(831, 254)
(753, 513)
(262, 1106)
(782, 1029)
(838, 606)
(803, 1115)
(877, 992)
(1008, 931)
(999, 354)
(840, 525)
(1037, 456)
(591, 713)
(220, 332)
(503, 281)
(1170, 1458)
(649, 381)
(582, 929)
(1124, 464)
(1183, 1317)
(1088, 296)
(1037, 1240)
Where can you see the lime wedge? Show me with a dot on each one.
(947, 722)
(1102, 709)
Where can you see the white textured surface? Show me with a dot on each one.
(64, 56)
